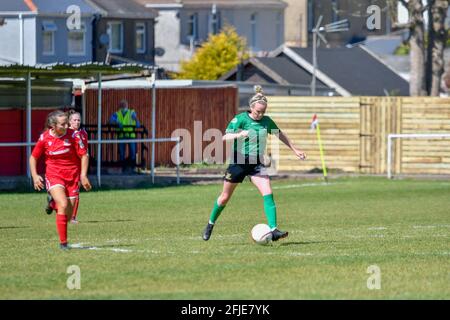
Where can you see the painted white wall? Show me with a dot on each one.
(30, 41)
(10, 39)
(167, 36)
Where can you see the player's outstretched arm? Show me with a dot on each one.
(233, 136)
(284, 138)
(84, 169)
(38, 182)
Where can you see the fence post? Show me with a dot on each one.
(28, 124)
(153, 123)
(389, 155)
(99, 131)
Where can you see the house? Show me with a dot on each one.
(351, 71)
(60, 39)
(124, 31)
(357, 14)
(75, 31)
(17, 32)
(296, 23)
(183, 25)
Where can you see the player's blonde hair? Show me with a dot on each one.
(52, 118)
(259, 97)
(72, 112)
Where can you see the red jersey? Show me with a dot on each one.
(62, 154)
(84, 137)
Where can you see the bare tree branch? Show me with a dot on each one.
(428, 5)
(404, 3)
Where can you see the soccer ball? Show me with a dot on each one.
(261, 234)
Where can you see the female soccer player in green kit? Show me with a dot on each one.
(249, 132)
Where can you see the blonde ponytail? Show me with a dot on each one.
(259, 97)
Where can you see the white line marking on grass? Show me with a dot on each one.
(119, 250)
(290, 186)
(113, 241)
(377, 228)
(299, 254)
(432, 226)
(296, 254)
(423, 227)
(81, 246)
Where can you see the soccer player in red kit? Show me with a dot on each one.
(74, 124)
(63, 148)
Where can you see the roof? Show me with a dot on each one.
(219, 3)
(356, 70)
(140, 84)
(291, 72)
(14, 6)
(64, 70)
(280, 70)
(133, 9)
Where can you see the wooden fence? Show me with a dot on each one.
(176, 108)
(354, 133)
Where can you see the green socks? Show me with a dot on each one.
(271, 210)
(215, 213)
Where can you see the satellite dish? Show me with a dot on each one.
(104, 39)
(159, 51)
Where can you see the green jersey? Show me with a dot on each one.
(255, 143)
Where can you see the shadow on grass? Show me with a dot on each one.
(14, 227)
(107, 221)
(304, 243)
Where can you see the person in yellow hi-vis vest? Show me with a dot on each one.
(124, 118)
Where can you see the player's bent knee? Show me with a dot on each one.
(223, 199)
(62, 204)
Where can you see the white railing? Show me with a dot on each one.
(177, 161)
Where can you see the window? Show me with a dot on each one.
(253, 31)
(140, 37)
(76, 42)
(193, 27)
(115, 33)
(48, 38)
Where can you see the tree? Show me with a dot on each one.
(426, 57)
(218, 55)
(438, 39)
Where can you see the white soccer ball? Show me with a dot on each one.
(261, 234)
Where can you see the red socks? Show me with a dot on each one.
(61, 226)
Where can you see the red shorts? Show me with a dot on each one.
(71, 185)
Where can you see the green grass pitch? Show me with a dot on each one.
(146, 243)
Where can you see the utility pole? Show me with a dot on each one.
(338, 26)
